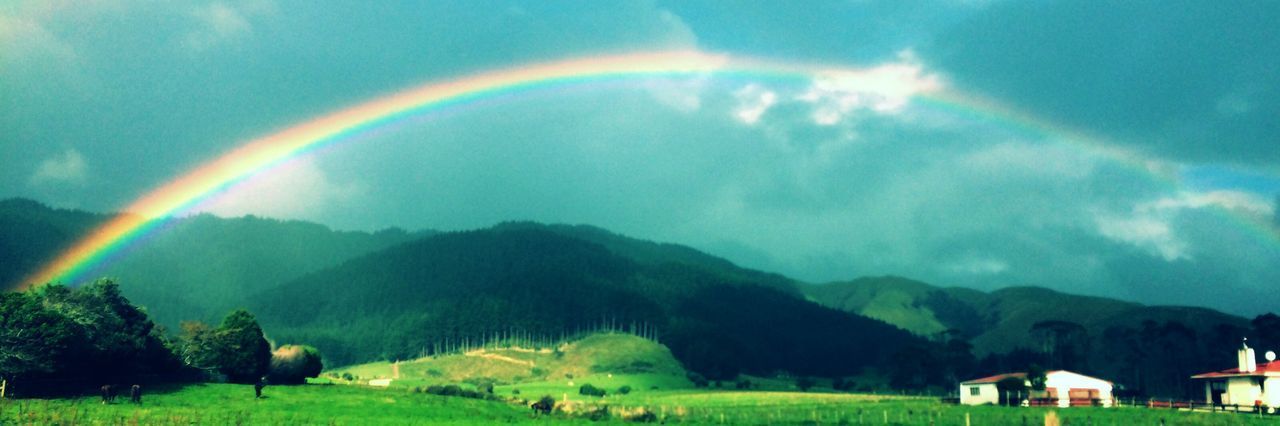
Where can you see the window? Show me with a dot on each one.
(974, 391)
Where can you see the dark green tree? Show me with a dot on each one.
(1036, 376)
(33, 340)
(1011, 389)
(241, 352)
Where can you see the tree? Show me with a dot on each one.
(293, 364)
(804, 383)
(1010, 387)
(1065, 343)
(1266, 330)
(241, 352)
(1036, 376)
(33, 339)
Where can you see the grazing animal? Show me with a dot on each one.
(257, 388)
(543, 405)
(108, 394)
(135, 394)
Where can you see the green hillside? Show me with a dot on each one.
(912, 305)
(32, 234)
(195, 268)
(612, 357)
(1148, 349)
(539, 280)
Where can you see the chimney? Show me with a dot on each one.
(1245, 360)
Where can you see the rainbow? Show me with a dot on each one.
(259, 155)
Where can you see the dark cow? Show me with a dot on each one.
(135, 394)
(108, 394)
(544, 405)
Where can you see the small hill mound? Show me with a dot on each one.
(601, 353)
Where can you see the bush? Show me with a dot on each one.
(743, 384)
(598, 414)
(697, 379)
(544, 405)
(348, 377)
(645, 416)
(804, 383)
(293, 364)
(589, 390)
(625, 389)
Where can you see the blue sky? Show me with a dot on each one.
(102, 101)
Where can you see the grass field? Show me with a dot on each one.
(354, 405)
(608, 361)
(224, 404)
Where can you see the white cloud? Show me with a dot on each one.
(978, 266)
(218, 22)
(1145, 231)
(68, 167)
(1150, 224)
(753, 102)
(884, 89)
(295, 190)
(1242, 202)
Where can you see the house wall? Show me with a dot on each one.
(987, 394)
(1241, 391)
(1064, 381)
(1271, 392)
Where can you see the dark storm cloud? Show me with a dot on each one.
(1183, 80)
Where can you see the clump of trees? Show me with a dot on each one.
(293, 364)
(236, 349)
(56, 339)
(590, 390)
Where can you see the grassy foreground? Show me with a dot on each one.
(351, 405)
(224, 404)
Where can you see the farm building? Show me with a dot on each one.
(1062, 388)
(1248, 384)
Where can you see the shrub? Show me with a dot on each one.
(697, 379)
(625, 389)
(348, 377)
(293, 364)
(743, 384)
(598, 414)
(589, 390)
(645, 416)
(544, 405)
(804, 383)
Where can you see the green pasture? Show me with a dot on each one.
(225, 404)
(356, 405)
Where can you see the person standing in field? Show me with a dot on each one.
(257, 387)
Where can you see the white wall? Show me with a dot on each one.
(1064, 381)
(987, 394)
(1271, 396)
(1241, 391)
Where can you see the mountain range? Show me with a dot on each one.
(395, 294)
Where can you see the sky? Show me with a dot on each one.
(1137, 155)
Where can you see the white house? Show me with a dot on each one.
(1249, 384)
(1064, 387)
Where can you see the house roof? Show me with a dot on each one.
(1267, 369)
(1020, 375)
(995, 378)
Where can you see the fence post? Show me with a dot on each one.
(3, 384)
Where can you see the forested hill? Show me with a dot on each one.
(548, 280)
(197, 267)
(1152, 349)
(32, 233)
